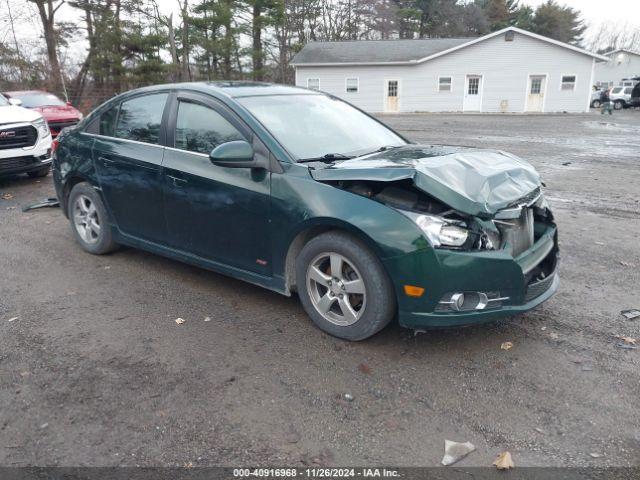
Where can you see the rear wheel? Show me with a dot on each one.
(43, 172)
(89, 220)
(618, 104)
(343, 287)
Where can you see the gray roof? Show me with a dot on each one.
(374, 51)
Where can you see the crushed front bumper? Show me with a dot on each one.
(517, 282)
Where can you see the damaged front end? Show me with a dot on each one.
(492, 235)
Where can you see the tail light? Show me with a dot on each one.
(54, 146)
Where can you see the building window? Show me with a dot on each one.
(351, 85)
(313, 83)
(568, 82)
(444, 84)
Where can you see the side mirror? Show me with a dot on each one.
(15, 102)
(237, 154)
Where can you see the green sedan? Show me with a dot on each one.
(298, 191)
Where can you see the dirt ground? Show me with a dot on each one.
(96, 372)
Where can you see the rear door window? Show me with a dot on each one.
(140, 118)
(200, 129)
(107, 124)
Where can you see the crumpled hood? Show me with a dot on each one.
(59, 113)
(472, 181)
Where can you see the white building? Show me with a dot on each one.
(620, 64)
(511, 70)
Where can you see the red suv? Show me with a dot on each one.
(57, 113)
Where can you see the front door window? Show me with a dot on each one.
(474, 85)
(200, 129)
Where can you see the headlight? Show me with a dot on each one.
(42, 127)
(439, 231)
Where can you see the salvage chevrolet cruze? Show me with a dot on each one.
(298, 191)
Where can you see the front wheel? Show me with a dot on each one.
(89, 220)
(343, 287)
(596, 104)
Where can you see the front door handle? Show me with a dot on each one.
(177, 181)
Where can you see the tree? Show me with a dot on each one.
(500, 13)
(47, 10)
(558, 22)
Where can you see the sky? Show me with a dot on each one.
(625, 13)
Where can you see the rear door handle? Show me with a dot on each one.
(177, 181)
(107, 161)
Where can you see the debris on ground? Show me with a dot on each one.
(626, 264)
(348, 397)
(455, 451)
(180, 321)
(13, 319)
(364, 368)
(627, 340)
(43, 426)
(49, 202)
(506, 345)
(504, 462)
(540, 431)
(207, 319)
(631, 314)
(6, 196)
(566, 164)
(554, 336)
(596, 455)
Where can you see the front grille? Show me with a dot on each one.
(534, 290)
(519, 232)
(11, 164)
(18, 137)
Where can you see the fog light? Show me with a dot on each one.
(470, 301)
(457, 301)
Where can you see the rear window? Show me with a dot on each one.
(140, 118)
(107, 125)
(616, 90)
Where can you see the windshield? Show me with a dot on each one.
(3, 101)
(39, 99)
(312, 126)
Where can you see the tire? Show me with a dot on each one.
(350, 315)
(618, 104)
(596, 104)
(43, 172)
(89, 220)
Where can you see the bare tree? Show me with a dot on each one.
(47, 10)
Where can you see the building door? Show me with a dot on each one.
(535, 93)
(391, 93)
(472, 94)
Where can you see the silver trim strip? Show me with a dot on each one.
(96, 135)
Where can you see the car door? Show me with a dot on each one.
(128, 155)
(217, 213)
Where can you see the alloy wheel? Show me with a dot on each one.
(336, 289)
(85, 219)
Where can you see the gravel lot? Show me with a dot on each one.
(96, 372)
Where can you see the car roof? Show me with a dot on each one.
(232, 88)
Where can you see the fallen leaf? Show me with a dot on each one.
(180, 321)
(504, 462)
(627, 340)
(364, 368)
(455, 451)
(207, 319)
(13, 319)
(506, 346)
(6, 196)
(554, 336)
